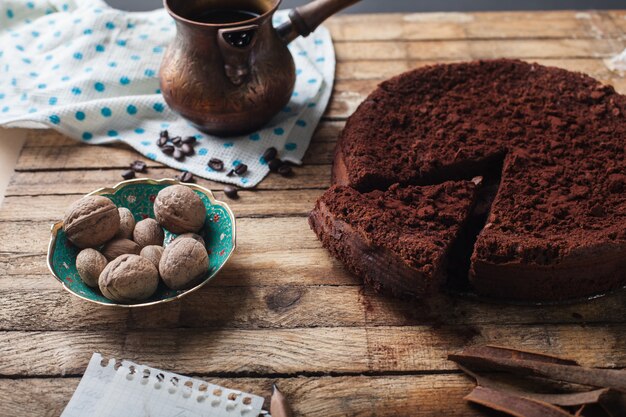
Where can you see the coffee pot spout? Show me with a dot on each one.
(305, 19)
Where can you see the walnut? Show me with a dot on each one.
(148, 232)
(118, 247)
(90, 263)
(184, 263)
(192, 236)
(91, 221)
(127, 223)
(179, 209)
(152, 253)
(129, 278)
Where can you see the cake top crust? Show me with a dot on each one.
(559, 136)
(416, 223)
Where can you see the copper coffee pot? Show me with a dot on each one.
(232, 78)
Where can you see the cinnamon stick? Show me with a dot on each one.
(526, 363)
(514, 405)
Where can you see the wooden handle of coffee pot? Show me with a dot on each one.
(305, 19)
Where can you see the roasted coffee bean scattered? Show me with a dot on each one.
(241, 169)
(274, 164)
(216, 164)
(178, 154)
(164, 134)
(187, 149)
(138, 166)
(177, 140)
(185, 176)
(285, 170)
(270, 154)
(230, 173)
(128, 174)
(162, 141)
(231, 192)
(168, 149)
(190, 140)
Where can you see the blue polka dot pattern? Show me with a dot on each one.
(99, 86)
(151, 156)
(255, 136)
(110, 25)
(6, 109)
(140, 131)
(87, 135)
(78, 55)
(106, 112)
(52, 101)
(121, 42)
(290, 146)
(41, 86)
(301, 123)
(76, 91)
(229, 145)
(54, 119)
(10, 13)
(100, 48)
(149, 73)
(135, 57)
(157, 49)
(112, 133)
(158, 107)
(124, 80)
(87, 32)
(202, 151)
(279, 131)
(131, 109)
(80, 116)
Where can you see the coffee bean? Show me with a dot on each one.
(177, 140)
(285, 170)
(190, 140)
(167, 149)
(178, 155)
(128, 175)
(162, 141)
(164, 134)
(216, 164)
(138, 166)
(275, 164)
(230, 173)
(241, 169)
(270, 154)
(187, 149)
(185, 176)
(231, 192)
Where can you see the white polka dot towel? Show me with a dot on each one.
(90, 72)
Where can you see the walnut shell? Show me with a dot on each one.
(184, 264)
(90, 263)
(148, 232)
(119, 247)
(192, 236)
(153, 253)
(129, 278)
(179, 209)
(91, 221)
(127, 223)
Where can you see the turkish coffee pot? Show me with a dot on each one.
(228, 70)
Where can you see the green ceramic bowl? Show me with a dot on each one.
(138, 196)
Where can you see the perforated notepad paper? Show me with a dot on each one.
(139, 390)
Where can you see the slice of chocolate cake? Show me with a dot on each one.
(557, 227)
(397, 240)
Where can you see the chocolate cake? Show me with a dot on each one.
(397, 240)
(553, 141)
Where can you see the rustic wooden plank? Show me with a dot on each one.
(254, 236)
(41, 305)
(300, 351)
(249, 204)
(478, 49)
(381, 70)
(359, 396)
(619, 19)
(484, 25)
(27, 183)
(297, 266)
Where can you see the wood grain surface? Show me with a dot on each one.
(283, 310)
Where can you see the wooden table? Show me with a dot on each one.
(284, 310)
